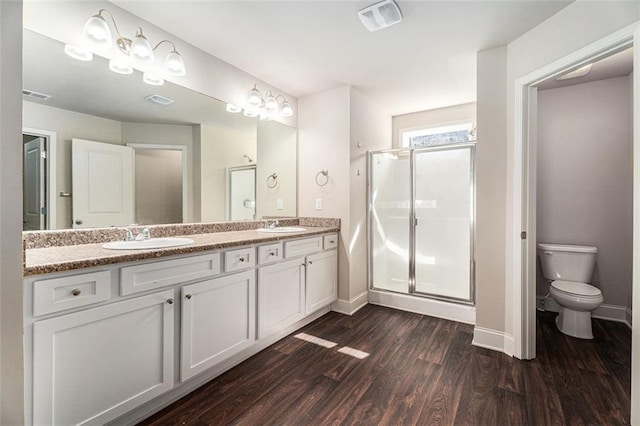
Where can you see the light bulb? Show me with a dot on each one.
(174, 64)
(120, 67)
(255, 98)
(141, 49)
(285, 109)
(78, 53)
(270, 105)
(97, 31)
(152, 79)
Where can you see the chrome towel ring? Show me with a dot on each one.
(325, 173)
(272, 180)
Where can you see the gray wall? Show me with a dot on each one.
(585, 175)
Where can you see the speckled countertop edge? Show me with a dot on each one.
(65, 258)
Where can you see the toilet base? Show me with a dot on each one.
(575, 323)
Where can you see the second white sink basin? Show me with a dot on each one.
(152, 243)
(281, 229)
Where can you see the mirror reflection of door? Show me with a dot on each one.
(242, 192)
(34, 207)
(102, 182)
(159, 184)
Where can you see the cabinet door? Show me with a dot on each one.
(322, 280)
(92, 366)
(218, 321)
(280, 296)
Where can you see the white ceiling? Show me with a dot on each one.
(308, 46)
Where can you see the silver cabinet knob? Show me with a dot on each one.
(272, 253)
(76, 292)
(79, 222)
(310, 262)
(170, 301)
(241, 259)
(188, 296)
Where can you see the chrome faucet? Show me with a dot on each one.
(144, 235)
(267, 225)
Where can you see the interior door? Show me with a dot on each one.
(102, 184)
(33, 207)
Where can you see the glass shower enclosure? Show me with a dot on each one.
(421, 221)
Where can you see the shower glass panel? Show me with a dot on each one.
(421, 210)
(443, 208)
(389, 213)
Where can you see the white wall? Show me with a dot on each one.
(276, 153)
(221, 147)
(11, 344)
(456, 114)
(370, 127)
(323, 143)
(68, 125)
(585, 176)
(331, 125)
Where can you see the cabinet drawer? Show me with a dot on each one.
(74, 291)
(134, 279)
(302, 247)
(236, 260)
(269, 253)
(330, 241)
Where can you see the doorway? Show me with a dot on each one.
(38, 179)
(523, 202)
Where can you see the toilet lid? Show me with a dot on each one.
(571, 287)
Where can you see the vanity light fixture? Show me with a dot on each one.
(98, 33)
(267, 107)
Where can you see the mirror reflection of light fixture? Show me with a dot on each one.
(267, 108)
(98, 33)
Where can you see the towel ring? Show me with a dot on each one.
(272, 180)
(324, 173)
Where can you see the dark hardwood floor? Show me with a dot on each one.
(420, 371)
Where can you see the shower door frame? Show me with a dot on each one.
(411, 288)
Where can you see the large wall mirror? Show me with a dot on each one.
(105, 149)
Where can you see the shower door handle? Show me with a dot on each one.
(415, 221)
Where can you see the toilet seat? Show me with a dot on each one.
(571, 288)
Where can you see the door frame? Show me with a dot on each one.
(227, 198)
(523, 197)
(51, 143)
(181, 148)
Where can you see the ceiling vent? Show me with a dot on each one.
(380, 15)
(35, 95)
(159, 100)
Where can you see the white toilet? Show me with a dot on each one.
(569, 268)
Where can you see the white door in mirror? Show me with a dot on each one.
(152, 243)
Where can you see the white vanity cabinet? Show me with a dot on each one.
(321, 280)
(115, 343)
(92, 366)
(217, 321)
(281, 296)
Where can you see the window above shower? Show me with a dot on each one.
(436, 136)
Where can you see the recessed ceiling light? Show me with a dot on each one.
(152, 79)
(233, 108)
(120, 67)
(77, 52)
(580, 72)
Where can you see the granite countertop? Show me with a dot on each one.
(69, 257)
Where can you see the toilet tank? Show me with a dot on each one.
(567, 262)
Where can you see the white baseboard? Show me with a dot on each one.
(606, 312)
(350, 307)
(424, 306)
(493, 339)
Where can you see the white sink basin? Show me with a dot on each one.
(281, 229)
(152, 243)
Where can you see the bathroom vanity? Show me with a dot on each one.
(117, 335)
